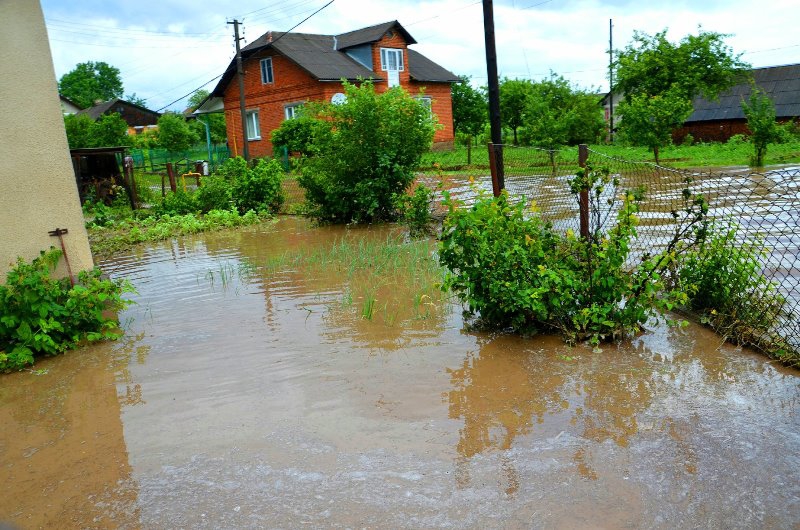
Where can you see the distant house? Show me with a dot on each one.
(139, 119)
(716, 121)
(68, 106)
(285, 70)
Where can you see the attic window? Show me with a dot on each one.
(390, 34)
(391, 59)
(266, 71)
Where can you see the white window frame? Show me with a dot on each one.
(290, 110)
(427, 101)
(267, 73)
(253, 127)
(398, 53)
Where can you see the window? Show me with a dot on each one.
(266, 71)
(290, 111)
(426, 102)
(253, 131)
(391, 59)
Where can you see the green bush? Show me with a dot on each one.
(259, 188)
(512, 268)
(725, 285)
(216, 193)
(364, 152)
(295, 135)
(178, 203)
(415, 210)
(42, 315)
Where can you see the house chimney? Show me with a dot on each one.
(269, 37)
(335, 44)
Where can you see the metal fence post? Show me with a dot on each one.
(583, 197)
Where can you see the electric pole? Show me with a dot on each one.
(610, 81)
(494, 89)
(240, 75)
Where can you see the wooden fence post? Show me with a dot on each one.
(173, 185)
(496, 168)
(583, 198)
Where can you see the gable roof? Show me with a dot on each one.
(323, 56)
(423, 69)
(780, 83)
(313, 53)
(98, 110)
(370, 35)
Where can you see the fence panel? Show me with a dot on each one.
(764, 206)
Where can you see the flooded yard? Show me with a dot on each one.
(250, 393)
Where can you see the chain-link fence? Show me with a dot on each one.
(764, 207)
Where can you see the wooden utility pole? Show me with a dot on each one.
(610, 82)
(240, 75)
(494, 91)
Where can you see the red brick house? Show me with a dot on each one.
(284, 70)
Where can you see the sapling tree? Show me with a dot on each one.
(760, 113)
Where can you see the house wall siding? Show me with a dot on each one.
(38, 192)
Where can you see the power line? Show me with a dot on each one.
(220, 75)
(190, 93)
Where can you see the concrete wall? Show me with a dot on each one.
(37, 183)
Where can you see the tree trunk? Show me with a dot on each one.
(469, 150)
(655, 153)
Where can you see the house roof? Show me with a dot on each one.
(323, 57)
(98, 110)
(370, 35)
(69, 101)
(780, 83)
(423, 69)
(313, 53)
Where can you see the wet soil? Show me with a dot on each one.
(260, 397)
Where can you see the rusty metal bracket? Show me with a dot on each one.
(59, 232)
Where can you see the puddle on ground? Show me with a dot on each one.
(254, 396)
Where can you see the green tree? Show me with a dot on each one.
(78, 127)
(651, 70)
(110, 130)
(91, 81)
(174, 134)
(366, 152)
(136, 100)
(514, 95)
(699, 65)
(650, 120)
(760, 114)
(470, 111)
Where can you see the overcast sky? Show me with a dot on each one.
(168, 48)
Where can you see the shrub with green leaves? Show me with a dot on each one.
(365, 153)
(178, 203)
(510, 266)
(723, 279)
(216, 193)
(259, 188)
(47, 316)
(415, 210)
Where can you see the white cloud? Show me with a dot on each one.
(569, 37)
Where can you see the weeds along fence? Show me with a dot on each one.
(764, 206)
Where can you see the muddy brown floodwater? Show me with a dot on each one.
(260, 398)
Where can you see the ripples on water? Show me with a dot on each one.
(252, 399)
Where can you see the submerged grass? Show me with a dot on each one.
(389, 276)
(107, 240)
